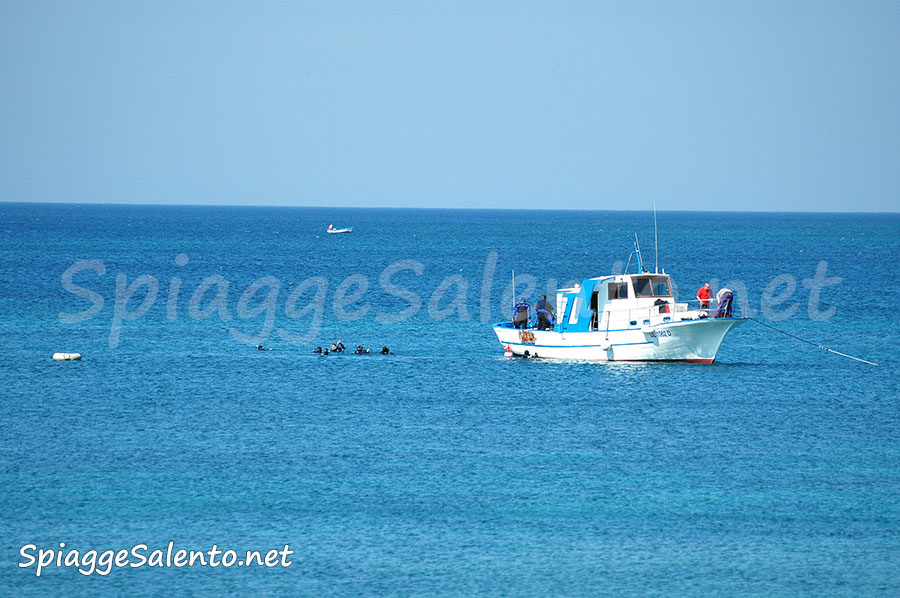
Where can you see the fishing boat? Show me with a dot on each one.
(625, 317)
(335, 231)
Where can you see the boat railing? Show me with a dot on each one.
(654, 314)
(650, 314)
(712, 306)
(638, 315)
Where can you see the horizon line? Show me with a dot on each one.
(458, 209)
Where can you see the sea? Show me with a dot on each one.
(442, 468)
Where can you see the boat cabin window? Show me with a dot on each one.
(651, 286)
(618, 290)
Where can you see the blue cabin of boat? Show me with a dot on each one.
(619, 302)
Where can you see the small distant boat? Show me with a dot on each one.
(335, 231)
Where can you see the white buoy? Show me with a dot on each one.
(646, 329)
(508, 353)
(605, 346)
(66, 356)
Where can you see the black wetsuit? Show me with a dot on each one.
(544, 312)
(520, 315)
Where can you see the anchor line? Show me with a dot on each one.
(812, 343)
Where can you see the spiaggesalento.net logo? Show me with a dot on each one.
(102, 562)
(268, 298)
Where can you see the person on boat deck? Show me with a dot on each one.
(544, 313)
(726, 297)
(521, 314)
(703, 296)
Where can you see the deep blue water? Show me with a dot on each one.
(445, 469)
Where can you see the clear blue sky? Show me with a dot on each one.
(595, 105)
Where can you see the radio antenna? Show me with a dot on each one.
(656, 237)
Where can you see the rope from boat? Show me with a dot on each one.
(812, 343)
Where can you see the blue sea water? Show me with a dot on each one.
(444, 469)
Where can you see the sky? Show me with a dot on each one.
(760, 106)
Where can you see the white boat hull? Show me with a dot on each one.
(337, 231)
(695, 341)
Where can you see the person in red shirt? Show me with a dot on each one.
(703, 296)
